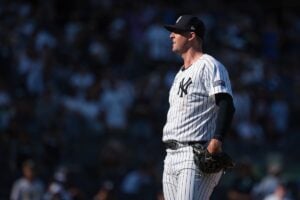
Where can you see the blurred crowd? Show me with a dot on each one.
(84, 94)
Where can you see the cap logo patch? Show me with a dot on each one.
(178, 19)
(193, 28)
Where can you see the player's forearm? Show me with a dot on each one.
(224, 115)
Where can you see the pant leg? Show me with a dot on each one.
(187, 181)
(192, 183)
(169, 180)
(204, 185)
(182, 180)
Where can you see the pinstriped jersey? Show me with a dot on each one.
(193, 111)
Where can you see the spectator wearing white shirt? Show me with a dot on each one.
(28, 187)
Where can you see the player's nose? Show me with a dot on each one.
(171, 35)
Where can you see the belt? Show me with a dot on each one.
(174, 145)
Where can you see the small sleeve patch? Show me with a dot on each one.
(219, 83)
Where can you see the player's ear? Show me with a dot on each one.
(192, 35)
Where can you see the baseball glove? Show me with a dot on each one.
(211, 163)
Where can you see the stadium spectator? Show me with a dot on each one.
(29, 186)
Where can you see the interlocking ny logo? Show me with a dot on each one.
(183, 86)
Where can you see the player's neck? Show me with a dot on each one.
(191, 57)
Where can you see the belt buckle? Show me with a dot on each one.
(172, 145)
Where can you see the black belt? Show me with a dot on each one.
(173, 144)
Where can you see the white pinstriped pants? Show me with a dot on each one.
(182, 180)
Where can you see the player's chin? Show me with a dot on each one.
(175, 50)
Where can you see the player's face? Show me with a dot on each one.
(179, 41)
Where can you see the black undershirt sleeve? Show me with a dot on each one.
(224, 115)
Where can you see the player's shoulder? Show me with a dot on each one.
(211, 62)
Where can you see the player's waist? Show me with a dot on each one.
(188, 128)
(174, 145)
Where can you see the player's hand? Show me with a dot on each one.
(214, 146)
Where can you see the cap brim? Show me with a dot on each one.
(173, 28)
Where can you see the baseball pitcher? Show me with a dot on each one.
(200, 113)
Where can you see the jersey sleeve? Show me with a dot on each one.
(216, 79)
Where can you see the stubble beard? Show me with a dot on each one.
(178, 50)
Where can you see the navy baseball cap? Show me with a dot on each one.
(188, 23)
